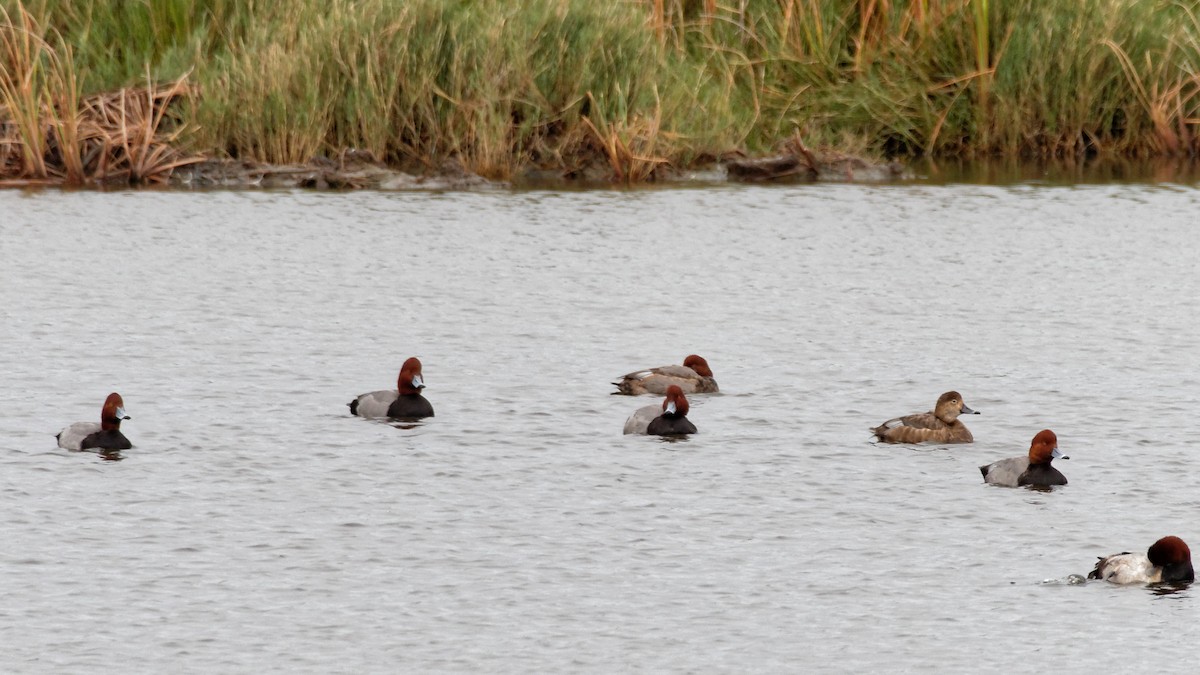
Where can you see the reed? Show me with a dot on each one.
(495, 85)
(634, 85)
(50, 130)
(27, 64)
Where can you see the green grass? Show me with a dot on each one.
(502, 85)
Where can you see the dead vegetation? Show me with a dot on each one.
(51, 133)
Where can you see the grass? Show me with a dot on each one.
(636, 86)
(50, 131)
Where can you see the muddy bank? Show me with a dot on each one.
(350, 172)
(359, 171)
(812, 167)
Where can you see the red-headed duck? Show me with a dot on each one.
(940, 425)
(693, 377)
(103, 436)
(1168, 560)
(668, 419)
(407, 403)
(1033, 469)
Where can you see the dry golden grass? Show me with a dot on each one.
(49, 131)
(630, 146)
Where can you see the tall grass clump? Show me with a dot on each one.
(50, 130)
(631, 85)
(494, 84)
(37, 94)
(117, 40)
(1043, 78)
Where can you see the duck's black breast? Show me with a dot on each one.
(664, 425)
(410, 406)
(111, 439)
(1177, 572)
(1042, 474)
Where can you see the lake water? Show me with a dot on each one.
(256, 526)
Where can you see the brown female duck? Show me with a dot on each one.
(940, 425)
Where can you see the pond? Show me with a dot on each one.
(257, 526)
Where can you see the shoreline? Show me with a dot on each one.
(584, 93)
(359, 172)
(356, 170)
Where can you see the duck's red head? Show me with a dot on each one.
(675, 403)
(1044, 448)
(698, 364)
(1169, 551)
(113, 412)
(411, 381)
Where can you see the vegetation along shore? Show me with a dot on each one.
(94, 91)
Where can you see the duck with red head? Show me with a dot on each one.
(693, 377)
(668, 419)
(1033, 469)
(1168, 560)
(104, 436)
(940, 425)
(405, 403)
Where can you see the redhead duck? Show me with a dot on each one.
(940, 425)
(104, 436)
(407, 403)
(693, 377)
(1167, 560)
(669, 419)
(1034, 469)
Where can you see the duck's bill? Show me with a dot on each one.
(1057, 454)
(968, 411)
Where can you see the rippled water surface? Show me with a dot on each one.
(257, 526)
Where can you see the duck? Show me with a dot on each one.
(103, 436)
(1168, 560)
(940, 425)
(693, 377)
(668, 419)
(407, 403)
(1034, 469)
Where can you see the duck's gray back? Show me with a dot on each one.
(374, 404)
(1006, 471)
(72, 437)
(640, 420)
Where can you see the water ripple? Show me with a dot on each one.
(256, 526)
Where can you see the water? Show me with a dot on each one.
(256, 526)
